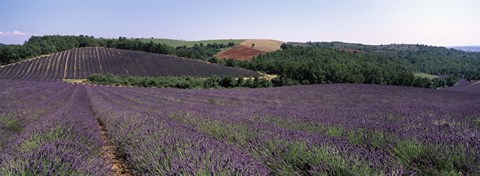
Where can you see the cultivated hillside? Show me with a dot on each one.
(239, 52)
(81, 62)
(250, 48)
(265, 45)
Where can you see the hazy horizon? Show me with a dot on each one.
(429, 22)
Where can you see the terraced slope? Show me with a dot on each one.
(81, 62)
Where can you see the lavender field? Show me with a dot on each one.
(79, 63)
(53, 128)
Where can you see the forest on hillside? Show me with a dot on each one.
(420, 58)
(316, 65)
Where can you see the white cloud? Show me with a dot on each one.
(14, 33)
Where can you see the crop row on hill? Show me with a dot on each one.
(81, 62)
(41, 45)
(342, 129)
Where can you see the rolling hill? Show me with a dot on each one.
(433, 60)
(244, 49)
(79, 63)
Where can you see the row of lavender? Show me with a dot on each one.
(465, 86)
(48, 129)
(79, 63)
(300, 130)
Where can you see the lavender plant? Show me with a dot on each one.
(303, 130)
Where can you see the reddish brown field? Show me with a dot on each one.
(240, 52)
(245, 51)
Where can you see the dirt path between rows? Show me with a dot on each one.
(119, 166)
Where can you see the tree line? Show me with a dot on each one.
(181, 82)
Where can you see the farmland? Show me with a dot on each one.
(239, 88)
(336, 129)
(79, 63)
(248, 49)
(263, 45)
(49, 127)
(240, 52)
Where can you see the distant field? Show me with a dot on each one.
(264, 45)
(425, 75)
(250, 48)
(175, 43)
(240, 52)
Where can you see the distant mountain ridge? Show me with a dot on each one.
(369, 48)
(468, 48)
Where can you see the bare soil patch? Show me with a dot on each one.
(119, 166)
(75, 81)
(240, 52)
(264, 45)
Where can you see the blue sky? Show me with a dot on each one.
(431, 22)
